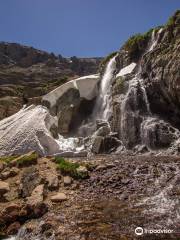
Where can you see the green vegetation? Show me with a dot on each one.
(172, 19)
(27, 159)
(8, 159)
(135, 41)
(69, 168)
(23, 160)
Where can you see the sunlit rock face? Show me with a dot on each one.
(145, 98)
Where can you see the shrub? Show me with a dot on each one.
(133, 43)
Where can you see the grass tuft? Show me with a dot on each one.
(68, 168)
(8, 159)
(27, 159)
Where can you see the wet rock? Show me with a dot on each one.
(157, 134)
(141, 149)
(103, 131)
(81, 154)
(59, 197)
(96, 144)
(65, 154)
(110, 144)
(30, 179)
(101, 123)
(13, 228)
(67, 180)
(4, 188)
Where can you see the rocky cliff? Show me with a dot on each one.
(27, 73)
(146, 98)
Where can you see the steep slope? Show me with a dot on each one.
(146, 97)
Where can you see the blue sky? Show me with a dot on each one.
(80, 27)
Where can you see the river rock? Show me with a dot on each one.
(29, 180)
(67, 180)
(9, 173)
(35, 205)
(59, 197)
(52, 181)
(4, 188)
(96, 144)
(36, 196)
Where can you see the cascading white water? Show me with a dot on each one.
(102, 108)
(135, 107)
(154, 39)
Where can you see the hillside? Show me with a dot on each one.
(27, 73)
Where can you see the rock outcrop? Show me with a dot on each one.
(145, 91)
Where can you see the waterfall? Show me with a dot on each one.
(135, 107)
(154, 39)
(102, 107)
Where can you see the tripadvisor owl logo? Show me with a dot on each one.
(139, 231)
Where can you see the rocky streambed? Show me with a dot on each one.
(116, 195)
